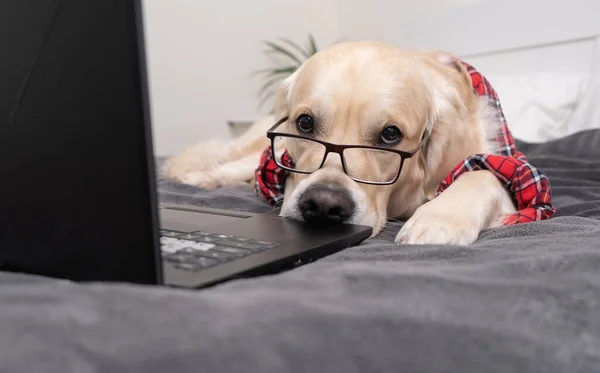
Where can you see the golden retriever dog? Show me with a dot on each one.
(415, 114)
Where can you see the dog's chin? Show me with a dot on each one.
(362, 213)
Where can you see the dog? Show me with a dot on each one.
(372, 94)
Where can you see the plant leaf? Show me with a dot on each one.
(268, 84)
(275, 70)
(313, 44)
(261, 71)
(287, 48)
(295, 46)
(285, 70)
(283, 51)
(264, 99)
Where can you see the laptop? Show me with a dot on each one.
(78, 196)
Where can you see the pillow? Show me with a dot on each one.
(545, 106)
(587, 112)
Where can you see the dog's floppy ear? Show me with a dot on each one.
(453, 63)
(453, 107)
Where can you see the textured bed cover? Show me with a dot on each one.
(522, 299)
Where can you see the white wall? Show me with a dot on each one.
(378, 19)
(202, 52)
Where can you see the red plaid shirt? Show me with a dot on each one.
(529, 188)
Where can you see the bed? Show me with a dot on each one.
(524, 298)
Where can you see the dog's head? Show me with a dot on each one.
(399, 104)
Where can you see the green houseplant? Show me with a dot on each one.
(291, 55)
(288, 57)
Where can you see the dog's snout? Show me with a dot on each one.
(320, 203)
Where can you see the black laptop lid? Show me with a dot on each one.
(77, 188)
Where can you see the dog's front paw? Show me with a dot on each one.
(177, 169)
(204, 180)
(203, 157)
(428, 225)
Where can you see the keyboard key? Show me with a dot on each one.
(170, 248)
(217, 237)
(232, 250)
(203, 246)
(167, 240)
(268, 245)
(187, 251)
(184, 243)
(240, 239)
(203, 234)
(215, 254)
(228, 242)
(179, 257)
(207, 239)
(192, 267)
(189, 236)
(202, 261)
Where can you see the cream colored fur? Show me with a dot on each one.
(353, 90)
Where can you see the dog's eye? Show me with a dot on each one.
(305, 124)
(391, 135)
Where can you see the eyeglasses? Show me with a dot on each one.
(356, 159)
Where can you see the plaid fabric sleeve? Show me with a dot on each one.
(529, 188)
(270, 178)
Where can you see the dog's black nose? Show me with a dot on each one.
(320, 203)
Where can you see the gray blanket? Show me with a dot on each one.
(522, 299)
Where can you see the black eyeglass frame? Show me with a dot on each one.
(339, 149)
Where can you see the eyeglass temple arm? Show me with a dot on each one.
(424, 138)
(279, 122)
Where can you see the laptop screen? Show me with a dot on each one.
(23, 28)
(78, 194)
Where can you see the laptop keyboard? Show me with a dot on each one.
(199, 250)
